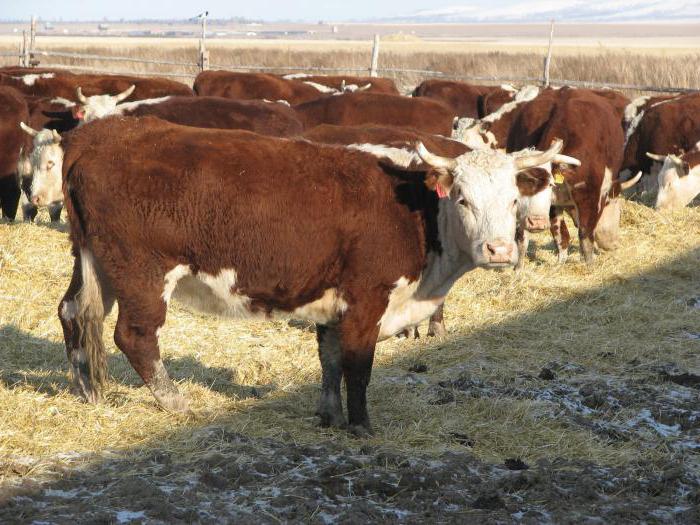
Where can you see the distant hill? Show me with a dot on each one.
(564, 10)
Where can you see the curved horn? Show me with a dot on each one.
(82, 98)
(436, 161)
(56, 136)
(631, 182)
(124, 94)
(342, 85)
(28, 130)
(565, 159)
(676, 160)
(654, 156)
(537, 159)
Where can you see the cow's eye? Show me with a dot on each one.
(49, 165)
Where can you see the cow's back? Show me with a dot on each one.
(253, 86)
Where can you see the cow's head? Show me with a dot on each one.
(533, 211)
(679, 183)
(474, 133)
(45, 165)
(98, 106)
(484, 188)
(607, 230)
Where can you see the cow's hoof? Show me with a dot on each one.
(82, 387)
(173, 403)
(360, 431)
(437, 330)
(562, 258)
(328, 420)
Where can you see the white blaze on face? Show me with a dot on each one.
(127, 107)
(99, 106)
(482, 205)
(676, 188)
(46, 164)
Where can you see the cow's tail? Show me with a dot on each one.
(88, 310)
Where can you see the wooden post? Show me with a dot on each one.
(32, 42)
(24, 60)
(203, 53)
(375, 57)
(548, 58)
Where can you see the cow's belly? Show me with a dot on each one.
(405, 310)
(212, 295)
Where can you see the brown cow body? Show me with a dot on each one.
(465, 100)
(65, 86)
(254, 86)
(245, 225)
(356, 109)
(13, 110)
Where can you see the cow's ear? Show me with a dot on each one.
(532, 181)
(78, 112)
(439, 181)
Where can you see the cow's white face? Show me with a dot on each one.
(480, 215)
(46, 164)
(98, 106)
(678, 185)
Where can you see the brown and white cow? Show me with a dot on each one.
(678, 179)
(256, 86)
(465, 100)
(359, 108)
(59, 85)
(13, 110)
(590, 128)
(668, 126)
(245, 225)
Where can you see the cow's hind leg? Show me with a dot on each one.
(330, 405)
(141, 314)
(81, 312)
(560, 234)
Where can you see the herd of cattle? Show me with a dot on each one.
(333, 199)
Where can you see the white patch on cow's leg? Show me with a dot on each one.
(330, 405)
(165, 391)
(69, 310)
(172, 278)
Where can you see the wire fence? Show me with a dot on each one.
(29, 53)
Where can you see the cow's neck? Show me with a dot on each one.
(690, 186)
(444, 267)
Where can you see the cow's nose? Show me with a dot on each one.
(536, 223)
(498, 251)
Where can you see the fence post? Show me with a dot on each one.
(32, 42)
(203, 53)
(375, 57)
(548, 58)
(24, 59)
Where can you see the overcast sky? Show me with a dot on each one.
(311, 10)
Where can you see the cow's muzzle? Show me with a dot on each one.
(499, 252)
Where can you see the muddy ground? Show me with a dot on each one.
(238, 479)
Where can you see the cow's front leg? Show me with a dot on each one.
(522, 241)
(436, 326)
(55, 211)
(330, 405)
(560, 234)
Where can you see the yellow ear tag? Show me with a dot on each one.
(559, 178)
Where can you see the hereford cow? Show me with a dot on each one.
(55, 85)
(356, 109)
(245, 225)
(343, 83)
(667, 127)
(255, 86)
(465, 100)
(13, 110)
(678, 179)
(591, 191)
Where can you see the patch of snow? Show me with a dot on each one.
(127, 516)
(663, 430)
(64, 494)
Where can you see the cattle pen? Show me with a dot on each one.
(561, 393)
